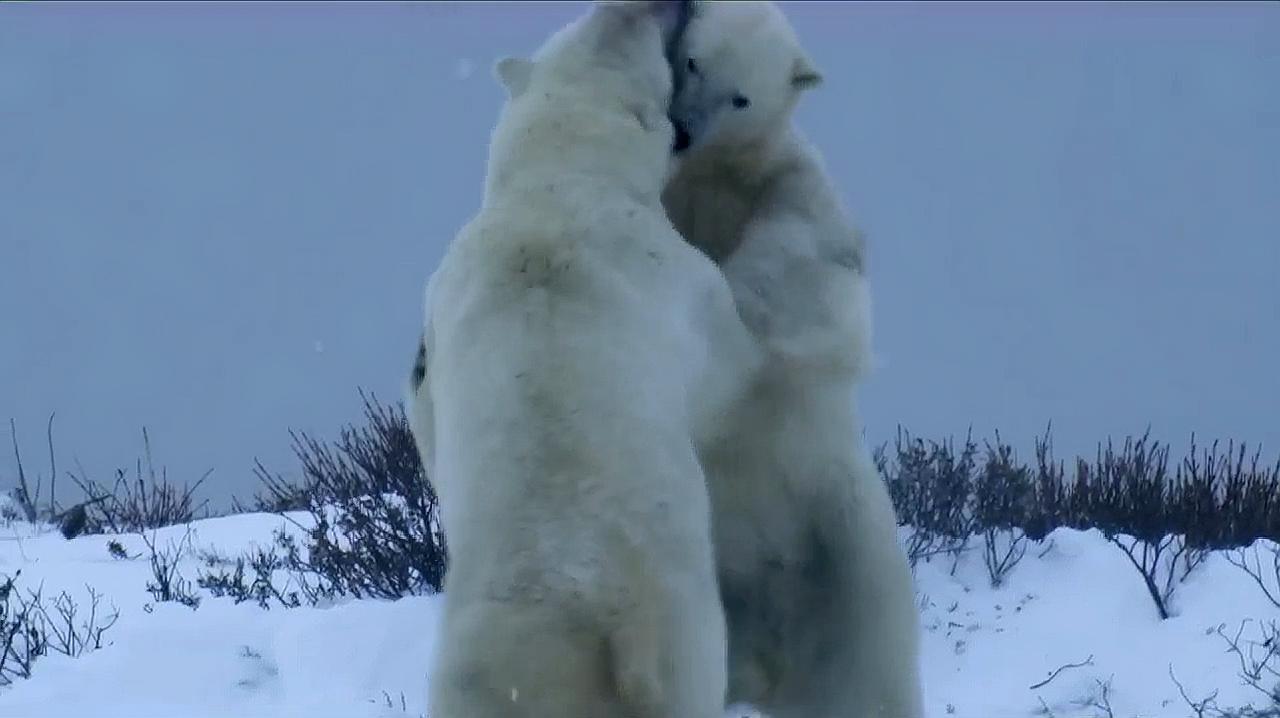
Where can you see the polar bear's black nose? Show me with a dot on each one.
(682, 138)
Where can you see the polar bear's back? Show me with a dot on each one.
(563, 368)
(581, 356)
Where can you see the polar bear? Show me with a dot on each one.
(573, 344)
(817, 591)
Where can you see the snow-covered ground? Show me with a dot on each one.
(983, 648)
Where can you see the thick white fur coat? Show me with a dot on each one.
(574, 347)
(817, 591)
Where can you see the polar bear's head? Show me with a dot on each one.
(617, 56)
(739, 74)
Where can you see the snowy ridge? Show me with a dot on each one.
(1073, 600)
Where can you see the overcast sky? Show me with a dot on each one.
(216, 220)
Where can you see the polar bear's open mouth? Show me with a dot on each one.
(682, 139)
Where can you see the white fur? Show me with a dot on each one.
(573, 344)
(817, 591)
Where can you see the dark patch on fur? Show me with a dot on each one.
(685, 12)
(850, 253)
(820, 575)
(420, 364)
(771, 614)
(757, 624)
(849, 258)
(818, 567)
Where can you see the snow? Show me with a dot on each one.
(169, 661)
(1082, 599)
(982, 650)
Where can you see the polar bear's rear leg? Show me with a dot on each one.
(670, 662)
(520, 660)
(867, 636)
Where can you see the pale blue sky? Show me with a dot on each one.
(216, 220)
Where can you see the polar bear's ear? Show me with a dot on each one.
(514, 74)
(804, 76)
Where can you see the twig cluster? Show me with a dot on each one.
(146, 500)
(33, 625)
(372, 526)
(1259, 669)
(1165, 517)
(167, 583)
(257, 584)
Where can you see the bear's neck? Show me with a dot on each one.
(753, 166)
(551, 157)
(716, 191)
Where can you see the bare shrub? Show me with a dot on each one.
(1249, 504)
(25, 497)
(1262, 564)
(1099, 699)
(1259, 663)
(32, 625)
(1165, 517)
(1130, 492)
(260, 588)
(72, 521)
(373, 526)
(1050, 503)
(167, 583)
(931, 484)
(147, 500)
(1002, 494)
(277, 495)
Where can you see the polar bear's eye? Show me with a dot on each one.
(692, 65)
(741, 102)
